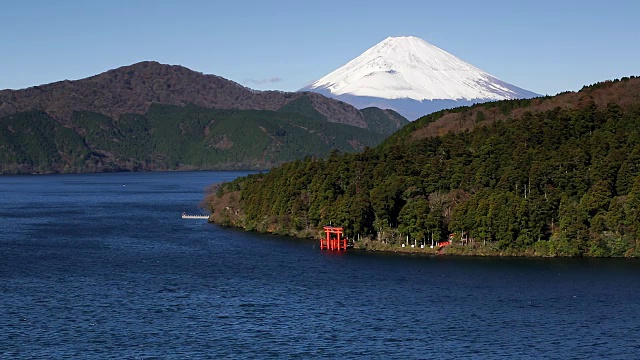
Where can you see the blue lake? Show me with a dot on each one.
(102, 266)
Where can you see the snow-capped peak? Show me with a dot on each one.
(408, 67)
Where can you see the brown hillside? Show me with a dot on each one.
(132, 89)
(625, 92)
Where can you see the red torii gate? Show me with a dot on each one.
(336, 242)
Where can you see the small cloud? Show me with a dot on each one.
(270, 80)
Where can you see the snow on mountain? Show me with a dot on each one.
(414, 78)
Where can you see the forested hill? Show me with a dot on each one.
(150, 116)
(554, 176)
(623, 93)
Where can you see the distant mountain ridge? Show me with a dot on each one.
(150, 116)
(133, 88)
(414, 78)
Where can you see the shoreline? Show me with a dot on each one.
(120, 171)
(487, 251)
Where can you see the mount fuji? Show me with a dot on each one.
(414, 78)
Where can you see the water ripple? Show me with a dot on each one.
(89, 271)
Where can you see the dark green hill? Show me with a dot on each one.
(31, 141)
(304, 106)
(553, 176)
(383, 121)
(170, 137)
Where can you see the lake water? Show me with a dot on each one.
(102, 266)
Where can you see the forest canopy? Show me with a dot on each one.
(554, 176)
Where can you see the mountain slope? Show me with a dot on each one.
(150, 116)
(132, 89)
(624, 93)
(414, 78)
(169, 137)
(555, 176)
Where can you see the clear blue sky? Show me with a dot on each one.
(543, 46)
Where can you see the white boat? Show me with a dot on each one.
(185, 216)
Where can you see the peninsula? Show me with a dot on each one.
(550, 176)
